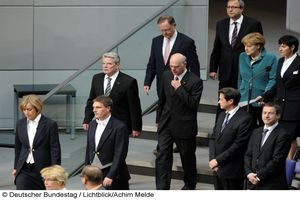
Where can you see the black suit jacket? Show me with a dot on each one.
(126, 101)
(269, 161)
(287, 90)
(156, 66)
(112, 147)
(46, 145)
(225, 58)
(179, 107)
(229, 146)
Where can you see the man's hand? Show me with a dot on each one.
(253, 178)
(85, 127)
(213, 75)
(136, 133)
(107, 182)
(176, 84)
(146, 89)
(14, 173)
(213, 164)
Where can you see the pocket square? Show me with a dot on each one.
(295, 72)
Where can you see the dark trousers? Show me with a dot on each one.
(255, 113)
(229, 184)
(29, 178)
(121, 181)
(164, 160)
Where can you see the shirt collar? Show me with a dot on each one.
(173, 36)
(103, 122)
(233, 111)
(239, 20)
(36, 120)
(181, 75)
(114, 76)
(290, 59)
(271, 128)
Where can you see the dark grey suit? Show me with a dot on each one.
(224, 58)
(126, 101)
(177, 122)
(229, 147)
(46, 151)
(156, 66)
(269, 161)
(112, 148)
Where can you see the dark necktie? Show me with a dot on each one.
(225, 122)
(234, 35)
(108, 87)
(264, 133)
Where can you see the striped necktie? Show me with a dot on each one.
(108, 87)
(234, 35)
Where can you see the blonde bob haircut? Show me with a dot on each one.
(33, 100)
(254, 38)
(55, 173)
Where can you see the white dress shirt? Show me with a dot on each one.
(231, 26)
(31, 131)
(112, 82)
(172, 41)
(287, 63)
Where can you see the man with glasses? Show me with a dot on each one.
(227, 45)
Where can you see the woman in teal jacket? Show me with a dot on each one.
(257, 67)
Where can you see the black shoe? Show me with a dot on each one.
(176, 150)
(185, 187)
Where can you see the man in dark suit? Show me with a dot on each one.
(36, 145)
(231, 134)
(227, 45)
(177, 122)
(163, 46)
(267, 151)
(161, 52)
(107, 145)
(123, 90)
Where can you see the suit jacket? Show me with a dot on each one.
(112, 147)
(225, 58)
(46, 146)
(262, 81)
(179, 107)
(287, 90)
(269, 160)
(126, 101)
(229, 146)
(156, 66)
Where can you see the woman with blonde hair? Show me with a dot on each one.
(55, 177)
(257, 70)
(36, 145)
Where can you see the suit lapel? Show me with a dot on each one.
(39, 130)
(293, 67)
(226, 31)
(92, 130)
(100, 85)
(23, 131)
(219, 126)
(106, 133)
(269, 139)
(117, 84)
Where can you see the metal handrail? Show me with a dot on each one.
(113, 46)
(54, 90)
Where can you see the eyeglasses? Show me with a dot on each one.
(232, 7)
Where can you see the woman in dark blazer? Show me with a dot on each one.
(253, 64)
(36, 145)
(287, 88)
